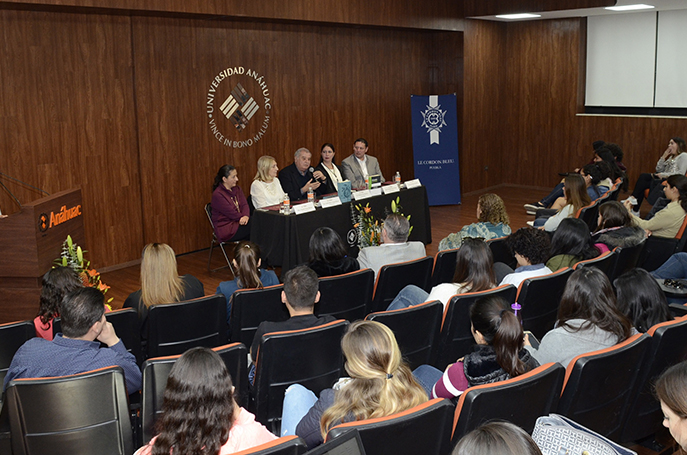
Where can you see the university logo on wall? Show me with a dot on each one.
(238, 107)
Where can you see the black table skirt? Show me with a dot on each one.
(283, 239)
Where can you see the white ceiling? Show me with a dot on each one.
(660, 5)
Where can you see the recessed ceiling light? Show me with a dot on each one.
(629, 7)
(518, 16)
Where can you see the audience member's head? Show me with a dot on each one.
(591, 174)
(641, 299)
(247, 261)
(497, 438)
(533, 245)
(80, 309)
(475, 265)
(495, 324)
(572, 237)
(326, 246)
(160, 281)
(576, 192)
(198, 407)
(679, 182)
(681, 146)
(604, 169)
(267, 169)
(301, 288)
(588, 295)
(223, 173)
(57, 282)
(396, 229)
(605, 154)
(671, 390)
(615, 150)
(381, 385)
(613, 214)
(491, 209)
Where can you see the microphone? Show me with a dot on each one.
(312, 170)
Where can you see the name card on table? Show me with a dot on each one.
(415, 183)
(330, 202)
(303, 208)
(376, 191)
(363, 194)
(391, 188)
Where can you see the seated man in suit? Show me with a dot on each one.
(360, 165)
(296, 178)
(77, 349)
(300, 294)
(395, 246)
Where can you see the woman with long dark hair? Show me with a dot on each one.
(615, 228)
(328, 255)
(671, 390)
(571, 243)
(199, 413)
(641, 299)
(57, 282)
(499, 352)
(474, 273)
(230, 211)
(666, 222)
(329, 169)
(588, 320)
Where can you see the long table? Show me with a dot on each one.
(283, 239)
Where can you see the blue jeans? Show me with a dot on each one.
(553, 195)
(427, 376)
(674, 267)
(409, 296)
(297, 402)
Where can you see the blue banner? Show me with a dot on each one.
(435, 147)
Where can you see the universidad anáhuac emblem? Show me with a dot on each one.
(433, 119)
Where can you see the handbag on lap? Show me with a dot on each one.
(557, 435)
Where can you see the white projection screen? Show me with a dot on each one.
(671, 62)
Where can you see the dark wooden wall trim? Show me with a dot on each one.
(476, 8)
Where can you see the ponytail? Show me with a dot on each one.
(247, 255)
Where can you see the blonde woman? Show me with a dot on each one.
(380, 384)
(266, 189)
(160, 282)
(492, 222)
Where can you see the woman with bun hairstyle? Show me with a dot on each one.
(199, 413)
(230, 211)
(499, 353)
(666, 222)
(671, 390)
(249, 275)
(266, 189)
(615, 228)
(380, 384)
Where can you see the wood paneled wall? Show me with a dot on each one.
(473, 8)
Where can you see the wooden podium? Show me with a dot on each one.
(30, 240)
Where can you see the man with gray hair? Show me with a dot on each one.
(297, 177)
(395, 246)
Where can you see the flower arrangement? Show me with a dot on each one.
(72, 256)
(368, 227)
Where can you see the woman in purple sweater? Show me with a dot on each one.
(230, 212)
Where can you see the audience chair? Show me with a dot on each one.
(520, 400)
(615, 190)
(346, 296)
(310, 357)
(250, 307)
(215, 240)
(288, 445)
(392, 278)
(539, 298)
(12, 336)
(173, 328)
(603, 262)
(589, 214)
(501, 252)
(444, 266)
(667, 347)
(424, 429)
(678, 309)
(625, 259)
(455, 338)
(82, 413)
(126, 325)
(416, 329)
(156, 371)
(658, 250)
(600, 385)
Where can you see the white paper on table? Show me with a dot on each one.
(330, 202)
(415, 183)
(391, 188)
(303, 208)
(362, 194)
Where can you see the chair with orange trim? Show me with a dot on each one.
(391, 278)
(416, 329)
(287, 445)
(626, 259)
(12, 336)
(444, 266)
(346, 296)
(82, 413)
(539, 298)
(155, 374)
(615, 190)
(520, 400)
(424, 429)
(455, 338)
(176, 327)
(250, 307)
(310, 357)
(659, 249)
(600, 385)
(501, 252)
(667, 348)
(589, 214)
(603, 262)
(126, 323)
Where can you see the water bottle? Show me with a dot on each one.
(311, 194)
(397, 178)
(286, 203)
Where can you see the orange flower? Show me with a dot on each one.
(102, 287)
(367, 209)
(356, 225)
(372, 237)
(92, 272)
